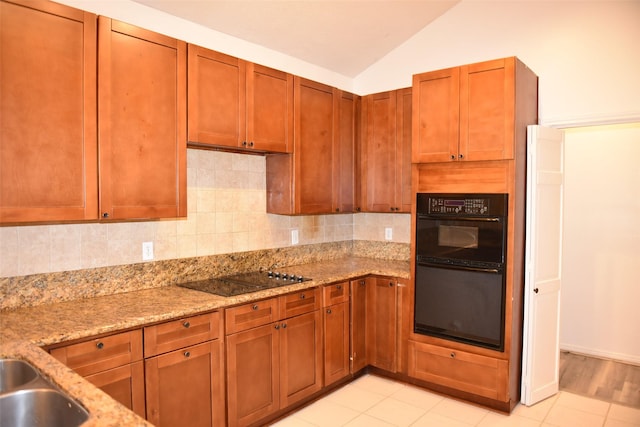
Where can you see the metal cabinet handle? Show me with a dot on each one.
(338, 287)
(390, 284)
(453, 354)
(277, 326)
(535, 290)
(186, 324)
(301, 296)
(284, 326)
(105, 215)
(461, 156)
(100, 345)
(453, 157)
(187, 354)
(328, 311)
(255, 307)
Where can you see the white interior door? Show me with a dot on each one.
(543, 261)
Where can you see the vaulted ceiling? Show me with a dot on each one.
(344, 36)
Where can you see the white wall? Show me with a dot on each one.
(600, 312)
(585, 53)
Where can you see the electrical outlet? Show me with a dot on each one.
(147, 251)
(294, 236)
(388, 233)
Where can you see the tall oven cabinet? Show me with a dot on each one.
(469, 136)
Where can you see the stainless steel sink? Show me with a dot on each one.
(15, 373)
(27, 399)
(40, 407)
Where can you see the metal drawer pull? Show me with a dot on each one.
(255, 306)
(338, 287)
(187, 354)
(277, 326)
(301, 296)
(284, 326)
(328, 311)
(452, 354)
(100, 345)
(186, 324)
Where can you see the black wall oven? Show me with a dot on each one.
(460, 262)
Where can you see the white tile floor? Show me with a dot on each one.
(372, 401)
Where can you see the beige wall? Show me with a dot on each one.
(226, 197)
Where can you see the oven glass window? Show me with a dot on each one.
(457, 236)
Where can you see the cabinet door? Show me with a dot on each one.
(379, 153)
(436, 114)
(382, 303)
(217, 101)
(300, 357)
(185, 387)
(348, 128)
(125, 384)
(142, 117)
(403, 193)
(316, 131)
(336, 342)
(358, 322)
(253, 361)
(487, 103)
(269, 109)
(48, 145)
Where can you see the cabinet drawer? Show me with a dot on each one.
(335, 294)
(103, 353)
(250, 315)
(181, 333)
(480, 375)
(299, 302)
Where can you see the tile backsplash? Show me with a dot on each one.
(226, 195)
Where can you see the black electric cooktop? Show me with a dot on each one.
(244, 283)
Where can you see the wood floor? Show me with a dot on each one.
(600, 378)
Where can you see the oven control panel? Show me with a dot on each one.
(459, 205)
(440, 205)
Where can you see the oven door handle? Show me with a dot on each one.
(461, 267)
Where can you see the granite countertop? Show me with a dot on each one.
(25, 330)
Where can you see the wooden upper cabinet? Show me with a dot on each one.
(386, 155)
(142, 122)
(347, 199)
(316, 130)
(306, 182)
(472, 112)
(48, 145)
(237, 104)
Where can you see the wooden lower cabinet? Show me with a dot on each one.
(112, 363)
(336, 342)
(335, 321)
(125, 384)
(358, 322)
(184, 387)
(381, 328)
(459, 370)
(273, 366)
(300, 357)
(184, 371)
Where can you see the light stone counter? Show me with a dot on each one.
(24, 330)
